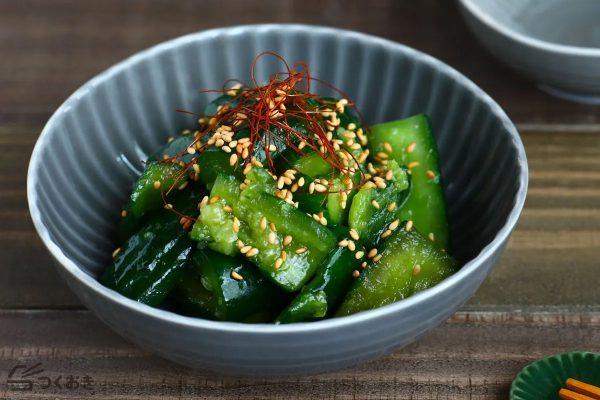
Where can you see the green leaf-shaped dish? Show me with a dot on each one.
(543, 379)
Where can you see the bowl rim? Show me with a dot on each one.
(110, 295)
(475, 10)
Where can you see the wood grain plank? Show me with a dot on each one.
(475, 354)
(50, 48)
(552, 257)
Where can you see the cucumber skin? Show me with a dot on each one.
(208, 290)
(426, 204)
(393, 277)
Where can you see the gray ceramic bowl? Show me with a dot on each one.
(556, 43)
(81, 171)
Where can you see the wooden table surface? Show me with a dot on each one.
(542, 298)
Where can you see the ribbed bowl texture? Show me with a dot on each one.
(542, 379)
(92, 148)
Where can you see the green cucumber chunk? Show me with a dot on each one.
(366, 218)
(210, 289)
(257, 212)
(325, 290)
(409, 263)
(413, 145)
(145, 196)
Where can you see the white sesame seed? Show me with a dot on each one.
(236, 276)
(416, 269)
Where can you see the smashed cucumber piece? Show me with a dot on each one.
(368, 220)
(228, 289)
(409, 263)
(326, 289)
(151, 261)
(262, 224)
(414, 146)
(147, 194)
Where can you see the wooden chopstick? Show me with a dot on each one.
(567, 394)
(584, 388)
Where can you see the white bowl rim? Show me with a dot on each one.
(268, 329)
(477, 12)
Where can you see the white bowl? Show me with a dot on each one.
(556, 43)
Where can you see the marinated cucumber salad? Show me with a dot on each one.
(282, 207)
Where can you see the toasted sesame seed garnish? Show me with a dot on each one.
(386, 233)
(409, 225)
(355, 273)
(413, 164)
(278, 263)
(227, 208)
(245, 249)
(236, 276)
(363, 264)
(323, 221)
(263, 223)
(430, 174)
(272, 227)
(416, 269)
(375, 204)
(236, 224)
(301, 181)
(389, 175)
(388, 147)
(351, 245)
(311, 188)
(123, 213)
(392, 206)
(343, 243)
(191, 150)
(411, 147)
(203, 202)
(382, 155)
(168, 206)
(354, 234)
(372, 253)
(183, 185)
(283, 255)
(377, 258)
(369, 185)
(233, 159)
(214, 199)
(320, 188)
(287, 240)
(239, 244)
(351, 126)
(394, 225)
(272, 237)
(300, 250)
(431, 236)
(117, 251)
(253, 251)
(156, 184)
(359, 254)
